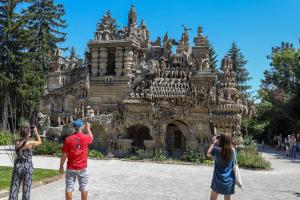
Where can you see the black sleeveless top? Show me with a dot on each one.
(23, 154)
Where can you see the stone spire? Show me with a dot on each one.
(227, 80)
(144, 34)
(166, 37)
(167, 47)
(106, 28)
(200, 40)
(132, 16)
(229, 102)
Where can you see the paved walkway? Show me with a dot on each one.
(116, 180)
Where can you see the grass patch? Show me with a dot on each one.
(38, 175)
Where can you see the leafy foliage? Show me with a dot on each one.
(250, 158)
(212, 57)
(278, 109)
(239, 66)
(158, 155)
(249, 142)
(29, 31)
(95, 154)
(195, 157)
(144, 154)
(48, 148)
(5, 138)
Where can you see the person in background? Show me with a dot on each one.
(279, 141)
(23, 167)
(75, 149)
(287, 146)
(275, 141)
(293, 145)
(298, 142)
(223, 181)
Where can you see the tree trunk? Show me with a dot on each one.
(5, 112)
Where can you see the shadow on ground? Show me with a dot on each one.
(278, 154)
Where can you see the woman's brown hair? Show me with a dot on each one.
(24, 132)
(226, 147)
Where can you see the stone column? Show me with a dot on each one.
(128, 60)
(103, 61)
(95, 63)
(119, 61)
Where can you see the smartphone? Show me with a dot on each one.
(32, 130)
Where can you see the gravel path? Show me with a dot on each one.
(116, 180)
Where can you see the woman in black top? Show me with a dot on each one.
(23, 167)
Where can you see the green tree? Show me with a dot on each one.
(12, 55)
(29, 33)
(212, 57)
(239, 66)
(284, 74)
(45, 22)
(278, 109)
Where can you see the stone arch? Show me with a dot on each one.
(100, 138)
(184, 127)
(177, 135)
(138, 133)
(145, 123)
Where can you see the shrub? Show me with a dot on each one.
(195, 157)
(249, 142)
(144, 154)
(95, 154)
(5, 138)
(48, 148)
(249, 158)
(158, 155)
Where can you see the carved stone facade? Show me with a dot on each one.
(139, 94)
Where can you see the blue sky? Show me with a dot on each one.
(255, 25)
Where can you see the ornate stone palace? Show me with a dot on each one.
(139, 94)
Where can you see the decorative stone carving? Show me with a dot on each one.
(106, 29)
(119, 61)
(128, 60)
(103, 61)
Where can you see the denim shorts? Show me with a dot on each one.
(81, 175)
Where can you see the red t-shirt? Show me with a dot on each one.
(76, 146)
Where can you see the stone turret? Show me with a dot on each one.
(200, 53)
(184, 45)
(144, 35)
(227, 113)
(132, 17)
(106, 28)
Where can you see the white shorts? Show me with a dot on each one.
(83, 179)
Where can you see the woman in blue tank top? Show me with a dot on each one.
(223, 181)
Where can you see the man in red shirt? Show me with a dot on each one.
(75, 149)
